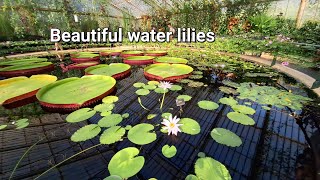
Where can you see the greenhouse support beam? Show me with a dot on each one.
(302, 7)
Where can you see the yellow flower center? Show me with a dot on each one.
(172, 125)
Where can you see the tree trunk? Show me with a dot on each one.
(302, 6)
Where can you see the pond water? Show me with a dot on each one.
(269, 149)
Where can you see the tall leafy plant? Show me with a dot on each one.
(263, 24)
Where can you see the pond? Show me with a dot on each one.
(270, 141)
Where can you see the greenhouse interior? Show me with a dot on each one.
(160, 89)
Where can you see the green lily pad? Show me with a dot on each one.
(208, 105)
(113, 177)
(22, 125)
(243, 109)
(104, 107)
(201, 155)
(80, 115)
(141, 134)
(240, 118)
(191, 177)
(175, 88)
(110, 120)
(197, 72)
(248, 103)
(166, 115)
(195, 77)
(21, 121)
(85, 133)
(142, 92)
(108, 70)
(225, 137)
(153, 82)
(126, 163)
(266, 108)
(128, 127)
(125, 115)
(110, 99)
(231, 84)
(151, 116)
(3, 126)
(208, 168)
(189, 126)
(161, 90)
(172, 60)
(112, 135)
(169, 151)
(105, 113)
(138, 84)
(228, 101)
(228, 90)
(165, 70)
(150, 87)
(184, 97)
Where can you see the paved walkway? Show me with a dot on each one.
(300, 76)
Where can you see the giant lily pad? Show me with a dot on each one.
(155, 53)
(240, 118)
(85, 133)
(208, 168)
(80, 115)
(208, 105)
(110, 120)
(112, 135)
(139, 60)
(243, 109)
(116, 70)
(167, 72)
(171, 60)
(26, 69)
(226, 137)
(111, 52)
(73, 93)
(189, 126)
(20, 89)
(22, 61)
(84, 57)
(141, 134)
(126, 163)
(126, 54)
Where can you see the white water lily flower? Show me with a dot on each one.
(171, 124)
(165, 85)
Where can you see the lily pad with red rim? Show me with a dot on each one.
(26, 69)
(139, 60)
(85, 57)
(22, 61)
(73, 93)
(126, 54)
(170, 60)
(167, 72)
(116, 70)
(111, 52)
(155, 53)
(19, 91)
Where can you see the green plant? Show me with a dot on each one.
(263, 23)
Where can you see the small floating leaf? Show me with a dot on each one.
(227, 90)
(208, 105)
(169, 151)
(248, 103)
(113, 177)
(201, 154)
(240, 118)
(243, 109)
(184, 97)
(142, 92)
(191, 177)
(125, 115)
(80, 115)
(128, 127)
(112, 135)
(175, 88)
(105, 113)
(22, 123)
(138, 85)
(225, 137)
(126, 163)
(104, 107)
(3, 126)
(161, 90)
(110, 120)
(153, 82)
(266, 108)
(228, 101)
(85, 133)
(150, 87)
(110, 99)
(151, 116)
(231, 84)
(208, 168)
(141, 134)
(189, 126)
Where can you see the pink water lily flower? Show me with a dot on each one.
(285, 63)
(165, 85)
(171, 124)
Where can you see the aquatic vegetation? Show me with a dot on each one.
(155, 53)
(151, 116)
(185, 81)
(243, 109)
(184, 97)
(175, 88)
(170, 60)
(142, 134)
(110, 120)
(26, 69)
(116, 70)
(85, 133)
(167, 72)
(228, 101)
(139, 60)
(21, 123)
(104, 107)
(189, 126)
(196, 77)
(197, 72)
(138, 85)
(226, 137)
(171, 125)
(112, 135)
(165, 85)
(126, 54)
(195, 84)
(169, 151)
(110, 99)
(228, 90)
(208, 105)
(80, 115)
(142, 92)
(240, 118)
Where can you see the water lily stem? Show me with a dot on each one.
(164, 94)
(25, 153)
(68, 159)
